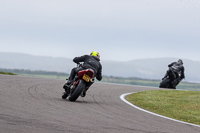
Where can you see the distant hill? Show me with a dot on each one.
(142, 68)
(30, 62)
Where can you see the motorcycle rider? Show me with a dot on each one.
(175, 72)
(91, 61)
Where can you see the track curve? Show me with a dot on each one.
(34, 105)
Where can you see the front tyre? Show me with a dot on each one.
(165, 83)
(77, 92)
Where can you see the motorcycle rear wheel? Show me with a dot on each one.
(77, 92)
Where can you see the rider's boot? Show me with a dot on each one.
(66, 86)
(67, 83)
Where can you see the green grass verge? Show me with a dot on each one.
(180, 105)
(7, 73)
(45, 76)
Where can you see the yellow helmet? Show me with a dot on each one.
(95, 53)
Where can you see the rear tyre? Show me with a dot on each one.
(77, 92)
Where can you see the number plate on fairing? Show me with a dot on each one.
(86, 77)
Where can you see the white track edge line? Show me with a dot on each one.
(122, 97)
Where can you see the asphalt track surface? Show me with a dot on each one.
(34, 105)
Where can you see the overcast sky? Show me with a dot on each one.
(120, 30)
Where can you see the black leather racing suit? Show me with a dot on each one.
(92, 62)
(178, 68)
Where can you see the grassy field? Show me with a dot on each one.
(7, 73)
(178, 104)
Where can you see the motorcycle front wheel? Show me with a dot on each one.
(77, 92)
(165, 83)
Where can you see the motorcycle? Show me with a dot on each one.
(168, 81)
(82, 82)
